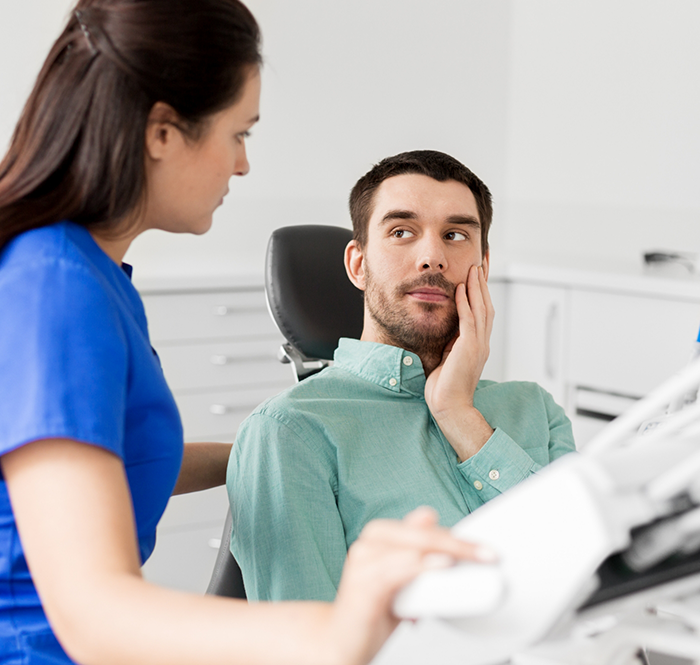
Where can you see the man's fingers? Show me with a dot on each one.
(486, 296)
(464, 310)
(477, 317)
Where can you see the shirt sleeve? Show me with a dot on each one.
(505, 460)
(288, 537)
(63, 358)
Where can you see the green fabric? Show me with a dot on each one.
(314, 464)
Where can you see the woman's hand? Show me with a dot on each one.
(387, 555)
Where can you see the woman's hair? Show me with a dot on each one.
(78, 149)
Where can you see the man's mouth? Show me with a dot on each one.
(429, 294)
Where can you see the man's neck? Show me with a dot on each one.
(429, 360)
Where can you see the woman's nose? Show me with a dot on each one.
(241, 167)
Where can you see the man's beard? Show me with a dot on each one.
(426, 336)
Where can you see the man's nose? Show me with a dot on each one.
(431, 256)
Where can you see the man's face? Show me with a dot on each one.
(422, 238)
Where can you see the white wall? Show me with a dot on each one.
(344, 84)
(604, 128)
(582, 116)
(27, 31)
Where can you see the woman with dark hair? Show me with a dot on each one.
(137, 120)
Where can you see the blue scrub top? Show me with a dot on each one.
(76, 362)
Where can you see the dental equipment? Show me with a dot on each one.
(585, 547)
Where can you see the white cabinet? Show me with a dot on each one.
(629, 344)
(218, 348)
(597, 344)
(494, 369)
(536, 337)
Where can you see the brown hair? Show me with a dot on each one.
(434, 164)
(78, 149)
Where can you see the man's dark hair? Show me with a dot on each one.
(434, 164)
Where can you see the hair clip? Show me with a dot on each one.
(86, 32)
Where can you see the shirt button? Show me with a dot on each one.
(392, 382)
(478, 485)
(494, 475)
(408, 361)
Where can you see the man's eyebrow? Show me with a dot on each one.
(468, 220)
(397, 214)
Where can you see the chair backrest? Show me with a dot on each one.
(226, 579)
(314, 304)
(309, 295)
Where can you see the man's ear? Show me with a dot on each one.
(162, 131)
(485, 264)
(355, 264)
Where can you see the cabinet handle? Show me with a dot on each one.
(228, 310)
(220, 359)
(223, 410)
(550, 346)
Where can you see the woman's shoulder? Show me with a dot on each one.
(49, 248)
(61, 265)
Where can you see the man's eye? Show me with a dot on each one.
(401, 233)
(456, 235)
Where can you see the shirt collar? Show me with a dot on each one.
(390, 367)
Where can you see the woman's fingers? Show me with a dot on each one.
(419, 533)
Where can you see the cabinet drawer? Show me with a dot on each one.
(218, 414)
(184, 559)
(195, 510)
(629, 344)
(187, 316)
(218, 365)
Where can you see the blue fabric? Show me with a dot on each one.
(76, 363)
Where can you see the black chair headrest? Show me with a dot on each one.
(310, 297)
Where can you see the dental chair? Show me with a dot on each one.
(309, 295)
(314, 304)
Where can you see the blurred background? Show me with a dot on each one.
(582, 117)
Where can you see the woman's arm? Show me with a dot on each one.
(203, 467)
(74, 515)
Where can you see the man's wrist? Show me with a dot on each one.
(466, 430)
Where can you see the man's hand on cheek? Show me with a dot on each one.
(449, 390)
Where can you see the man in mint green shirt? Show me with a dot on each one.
(401, 419)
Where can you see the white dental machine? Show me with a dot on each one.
(599, 555)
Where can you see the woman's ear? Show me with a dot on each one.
(355, 264)
(162, 132)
